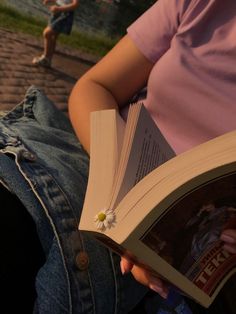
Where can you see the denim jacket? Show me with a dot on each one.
(42, 162)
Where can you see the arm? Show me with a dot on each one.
(45, 2)
(109, 84)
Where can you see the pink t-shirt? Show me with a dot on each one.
(192, 87)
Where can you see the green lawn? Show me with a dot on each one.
(14, 20)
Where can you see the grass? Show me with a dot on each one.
(87, 42)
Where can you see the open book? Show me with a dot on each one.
(167, 210)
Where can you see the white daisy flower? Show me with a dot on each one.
(105, 219)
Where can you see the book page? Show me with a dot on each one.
(107, 133)
(144, 150)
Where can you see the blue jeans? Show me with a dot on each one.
(44, 166)
(62, 22)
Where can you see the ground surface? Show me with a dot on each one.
(17, 72)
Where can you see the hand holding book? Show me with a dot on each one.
(155, 283)
(144, 276)
(168, 210)
(172, 301)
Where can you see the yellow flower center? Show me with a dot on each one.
(101, 217)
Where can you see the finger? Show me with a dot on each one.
(159, 286)
(230, 232)
(161, 289)
(148, 279)
(125, 265)
(230, 248)
(229, 239)
(229, 236)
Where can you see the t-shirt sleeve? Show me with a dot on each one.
(152, 32)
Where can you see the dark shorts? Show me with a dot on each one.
(62, 22)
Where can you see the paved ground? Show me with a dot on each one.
(17, 73)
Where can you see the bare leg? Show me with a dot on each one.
(50, 39)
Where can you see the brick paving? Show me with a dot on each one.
(17, 72)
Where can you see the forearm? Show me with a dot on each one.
(109, 84)
(87, 96)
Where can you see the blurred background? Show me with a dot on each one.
(99, 24)
(97, 16)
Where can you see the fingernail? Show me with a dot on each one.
(159, 290)
(122, 269)
(155, 288)
(227, 238)
(165, 293)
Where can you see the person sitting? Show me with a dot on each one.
(184, 52)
